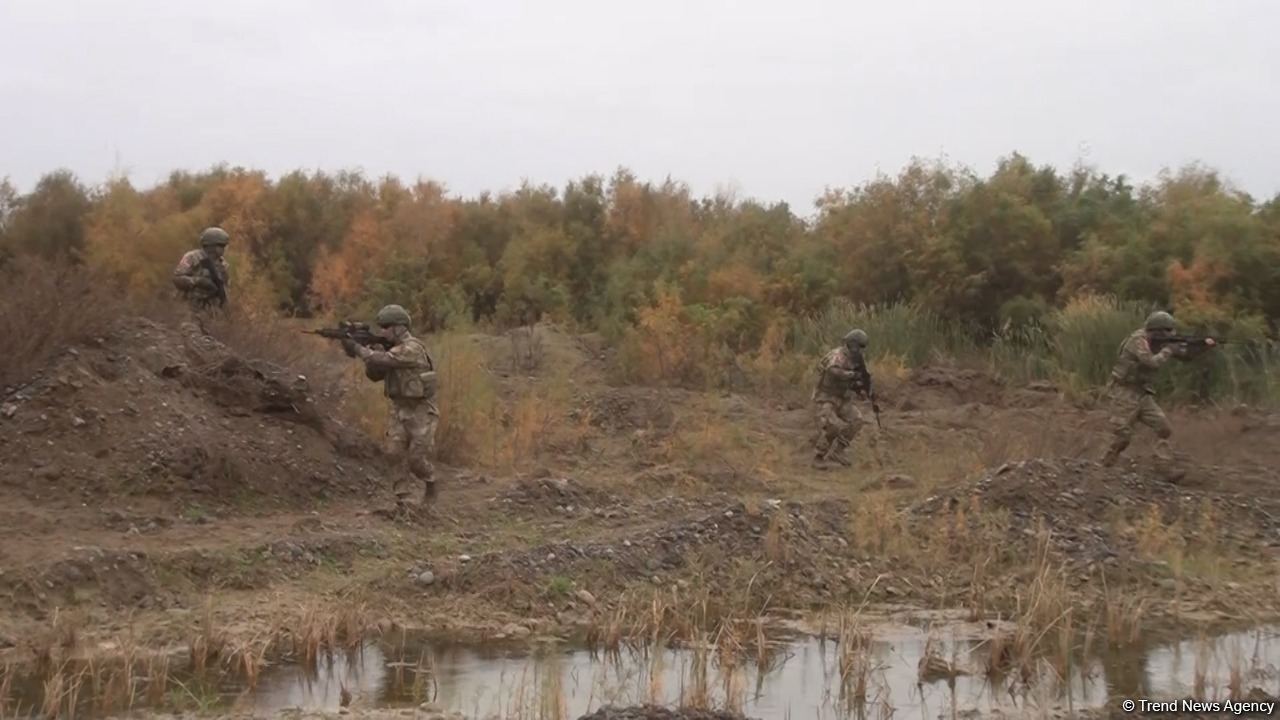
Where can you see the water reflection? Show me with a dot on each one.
(806, 680)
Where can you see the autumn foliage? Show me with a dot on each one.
(686, 286)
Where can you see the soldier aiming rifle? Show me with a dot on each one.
(1130, 391)
(398, 360)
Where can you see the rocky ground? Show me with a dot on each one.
(150, 484)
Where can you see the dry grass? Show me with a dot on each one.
(528, 348)
(47, 306)
(207, 644)
(279, 341)
(8, 705)
(71, 684)
(483, 424)
(1122, 617)
(855, 664)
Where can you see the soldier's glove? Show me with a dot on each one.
(349, 347)
(205, 283)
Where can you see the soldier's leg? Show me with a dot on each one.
(846, 425)
(397, 446)
(829, 428)
(1151, 415)
(821, 411)
(1124, 415)
(421, 428)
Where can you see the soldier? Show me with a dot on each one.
(201, 275)
(842, 374)
(409, 382)
(1130, 393)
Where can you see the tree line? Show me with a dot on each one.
(990, 252)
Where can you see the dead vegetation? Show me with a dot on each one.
(69, 679)
(47, 307)
(687, 515)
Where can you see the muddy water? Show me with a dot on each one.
(802, 680)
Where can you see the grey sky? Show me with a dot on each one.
(776, 99)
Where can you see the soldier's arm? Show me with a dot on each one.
(186, 275)
(396, 358)
(843, 367)
(1141, 350)
(843, 373)
(182, 274)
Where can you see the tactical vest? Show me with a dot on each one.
(828, 384)
(415, 383)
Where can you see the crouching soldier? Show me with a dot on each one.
(842, 375)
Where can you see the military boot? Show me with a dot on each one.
(838, 453)
(428, 492)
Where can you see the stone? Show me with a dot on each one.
(8, 410)
(899, 481)
(425, 578)
(77, 421)
(513, 630)
(586, 597)
(464, 558)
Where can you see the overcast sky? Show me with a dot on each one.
(776, 99)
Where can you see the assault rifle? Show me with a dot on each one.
(875, 408)
(357, 332)
(1191, 341)
(864, 378)
(216, 279)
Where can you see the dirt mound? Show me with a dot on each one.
(935, 387)
(1093, 512)
(148, 410)
(655, 712)
(566, 495)
(784, 544)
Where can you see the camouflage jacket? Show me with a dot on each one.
(406, 370)
(1136, 365)
(189, 272)
(841, 373)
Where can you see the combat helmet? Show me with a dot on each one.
(1160, 321)
(392, 315)
(214, 236)
(856, 338)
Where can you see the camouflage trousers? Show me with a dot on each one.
(838, 424)
(1130, 408)
(411, 437)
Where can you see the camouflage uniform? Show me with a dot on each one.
(841, 375)
(1132, 396)
(408, 376)
(189, 272)
(198, 283)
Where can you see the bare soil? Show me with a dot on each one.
(147, 479)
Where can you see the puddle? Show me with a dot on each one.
(803, 680)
